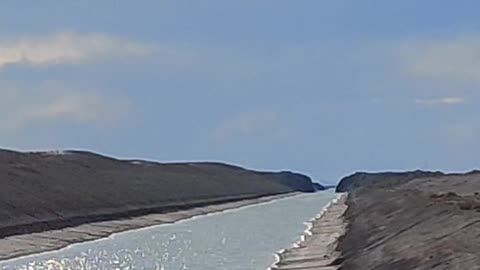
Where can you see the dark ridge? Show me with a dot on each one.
(319, 187)
(296, 181)
(385, 179)
(52, 190)
(473, 172)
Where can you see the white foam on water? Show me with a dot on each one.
(307, 231)
(294, 227)
(277, 258)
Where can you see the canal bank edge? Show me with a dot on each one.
(429, 222)
(317, 248)
(18, 246)
(44, 191)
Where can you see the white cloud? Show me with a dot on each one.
(246, 124)
(52, 103)
(67, 48)
(440, 101)
(453, 59)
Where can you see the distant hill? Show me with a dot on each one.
(319, 187)
(330, 186)
(363, 179)
(51, 190)
(386, 179)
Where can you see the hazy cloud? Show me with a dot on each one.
(246, 124)
(456, 58)
(21, 107)
(67, 48)
(440, 101)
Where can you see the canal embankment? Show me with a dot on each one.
(412, 220)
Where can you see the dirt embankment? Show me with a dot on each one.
(423, 223)
(45, 191)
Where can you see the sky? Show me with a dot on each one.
(325, 88)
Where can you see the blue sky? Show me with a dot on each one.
(321, 87)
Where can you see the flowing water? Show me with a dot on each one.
(240, 239)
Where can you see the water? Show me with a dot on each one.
(241, 239)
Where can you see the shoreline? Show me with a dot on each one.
(45, 191)
(317, 246)
(27, 245)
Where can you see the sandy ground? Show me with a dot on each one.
(22, 245)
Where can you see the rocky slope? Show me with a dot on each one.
(43, 191)
(429, 222)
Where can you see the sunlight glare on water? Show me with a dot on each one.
(240, 239)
